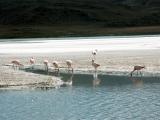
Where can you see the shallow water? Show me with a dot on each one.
(99, 98)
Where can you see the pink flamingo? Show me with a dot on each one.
(95, 65)
(94, 53)
(137, 68)
(46, 63)
(56, 65)
(69, 64)
(16, 64)
(32, 62)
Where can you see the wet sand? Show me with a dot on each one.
(111, 62)
(18, 79)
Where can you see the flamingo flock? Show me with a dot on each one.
(56, 65)
(16, 64)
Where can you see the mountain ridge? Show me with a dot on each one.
(114, 13)
(108, 13)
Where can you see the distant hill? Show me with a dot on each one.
(112, 13)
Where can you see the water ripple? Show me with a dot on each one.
(83, 101)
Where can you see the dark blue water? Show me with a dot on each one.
(106, 98)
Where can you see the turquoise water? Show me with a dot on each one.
(106, 98)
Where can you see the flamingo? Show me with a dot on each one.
(46, 63)
(16, 64)
(137, 68)
(32, 62)
(69, 64)
(56, 65)
(95, 65)
(94, 53)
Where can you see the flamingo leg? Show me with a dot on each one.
(68, 69)
(132, 72)
(16, 67)
(95, 75)
(72, 69)
(57, 70)
(46, 68)
(95, 70)
(32, 66)
(141, 73)
(13, 66)
(137, 72)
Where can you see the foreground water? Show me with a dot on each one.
(105, 97)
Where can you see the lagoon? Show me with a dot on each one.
(112, 97)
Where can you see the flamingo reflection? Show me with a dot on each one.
(96, 80)
(137, 82)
